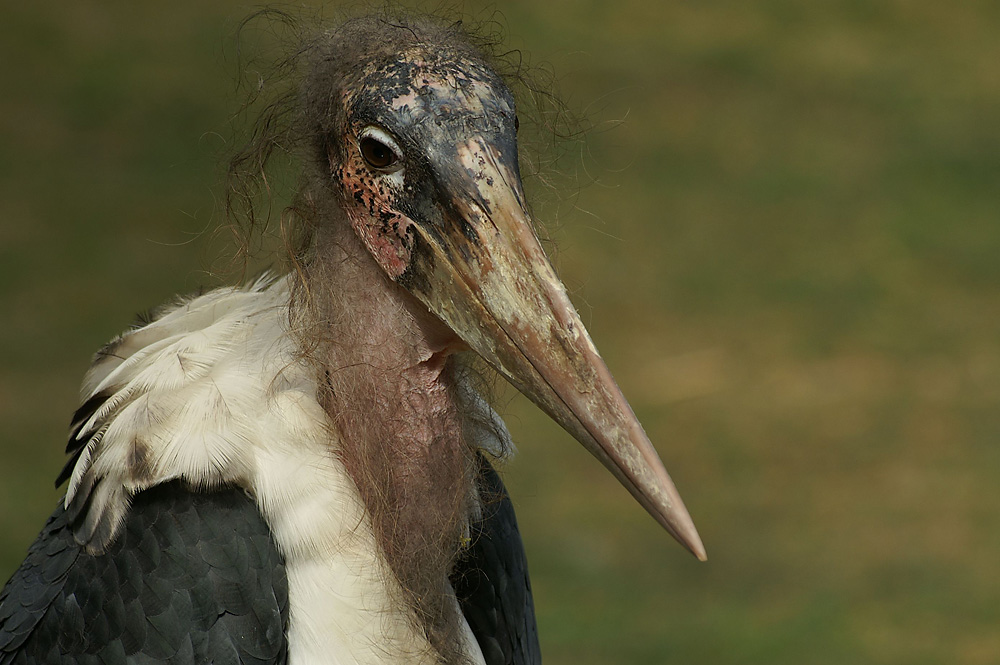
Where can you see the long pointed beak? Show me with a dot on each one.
(483, 272)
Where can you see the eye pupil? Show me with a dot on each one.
(377, 154)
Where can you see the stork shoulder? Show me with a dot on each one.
(179, 398)
(215, 392)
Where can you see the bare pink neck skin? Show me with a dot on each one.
(391, 394)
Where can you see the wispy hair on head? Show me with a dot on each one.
(288, 64)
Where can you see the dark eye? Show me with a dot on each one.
(377, 154)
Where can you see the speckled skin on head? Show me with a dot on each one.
(431, 102)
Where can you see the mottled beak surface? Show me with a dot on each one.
(485, 275)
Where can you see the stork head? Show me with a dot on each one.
(417, 137)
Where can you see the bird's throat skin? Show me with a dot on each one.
(391, 395)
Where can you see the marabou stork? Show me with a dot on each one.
(299, 470)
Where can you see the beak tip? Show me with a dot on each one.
(687, 535)
(673, 515)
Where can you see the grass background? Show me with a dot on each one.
(790, 258)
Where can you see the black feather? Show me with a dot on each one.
(152, 597)
(491, 580)
(78, 439)
(83, 414)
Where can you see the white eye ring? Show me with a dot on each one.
(379, 150)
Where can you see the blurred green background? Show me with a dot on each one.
(789, 256)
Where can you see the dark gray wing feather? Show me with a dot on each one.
(192, 578)
(491, 580)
